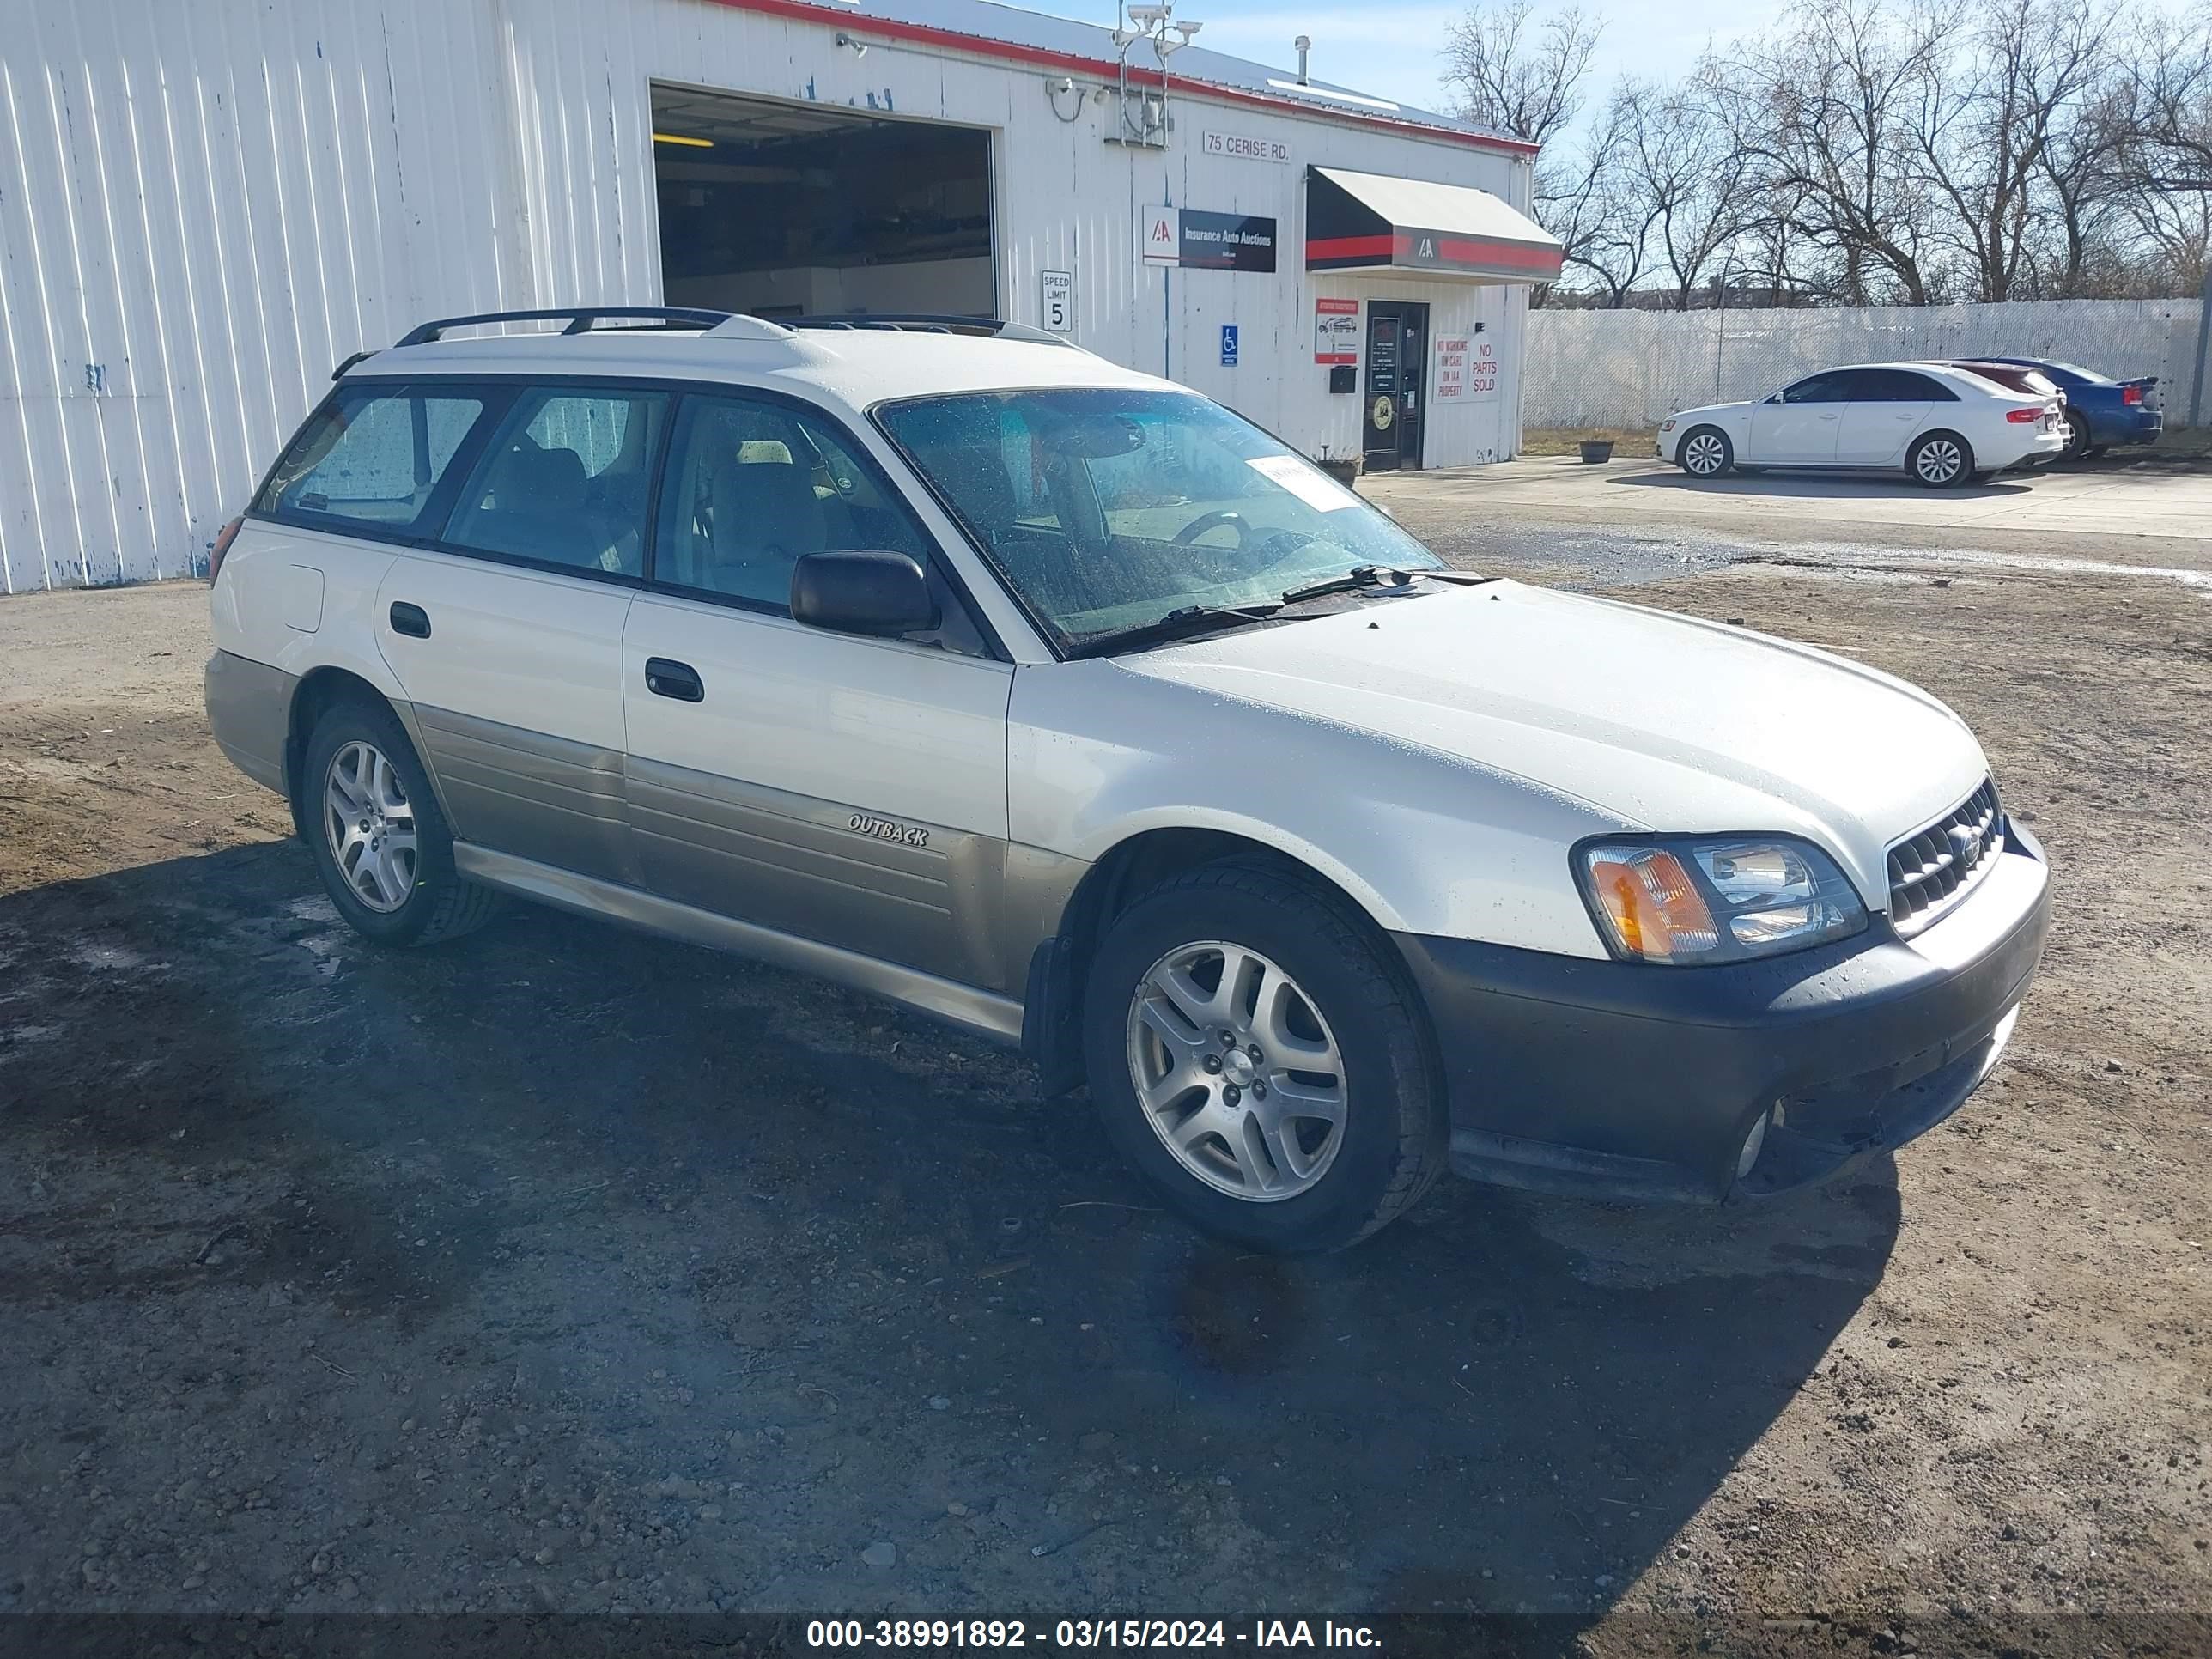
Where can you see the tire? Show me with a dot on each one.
(1705, 452)
(1940, 461)
(1354, 1017)
(2077, 438)
(359, 752)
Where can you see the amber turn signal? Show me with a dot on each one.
(1654, 908)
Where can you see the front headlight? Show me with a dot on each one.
(1691, 899)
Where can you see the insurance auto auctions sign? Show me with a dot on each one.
(1200, 240)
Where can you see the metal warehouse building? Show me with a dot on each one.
(206, 206)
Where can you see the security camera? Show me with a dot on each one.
(1187, 30)
(1146, 17)
(859, 48)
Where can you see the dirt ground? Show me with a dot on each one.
(566, 1270)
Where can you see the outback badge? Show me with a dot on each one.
(860, 824)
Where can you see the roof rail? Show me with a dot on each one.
(743, 325)
(581, 320)
(928, 322)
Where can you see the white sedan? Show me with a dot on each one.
(1943, 425)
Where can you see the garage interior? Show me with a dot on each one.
(798, 210)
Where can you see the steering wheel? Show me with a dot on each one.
(1214, 520)
(1280, 545)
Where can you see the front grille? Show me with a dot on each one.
(1931, 872)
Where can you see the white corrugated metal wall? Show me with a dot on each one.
(204, 207)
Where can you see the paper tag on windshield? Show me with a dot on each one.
(1315, 490)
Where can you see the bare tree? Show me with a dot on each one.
(1613, 243)
(1985, 112)
(2169, 103)
(1684, 173)
(1574, 190)
(2084, 180)
(1873, 151)
(1511, 71)
(1824, 114)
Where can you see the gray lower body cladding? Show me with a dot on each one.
(249, 709)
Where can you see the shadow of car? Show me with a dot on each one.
(1817, 486)
(669, 1211)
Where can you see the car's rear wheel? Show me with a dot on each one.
(1940, 461)
(1706, 452)
(1251, 1051)
(380, 842)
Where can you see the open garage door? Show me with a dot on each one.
(792, 210)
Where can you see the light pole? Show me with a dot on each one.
(1720, 333)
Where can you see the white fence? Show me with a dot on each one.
(1633, 369)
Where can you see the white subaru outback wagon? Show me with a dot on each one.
(948, 661)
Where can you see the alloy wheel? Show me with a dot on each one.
(1940, 461)
(1237, 1071)
(370, 826)
(1705, 455)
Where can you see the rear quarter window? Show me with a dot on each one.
(371, 458)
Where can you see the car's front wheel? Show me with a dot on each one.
(1706, 452)
(1252, 1052)
(2077, 437)
(1940, 461)
(379, 839)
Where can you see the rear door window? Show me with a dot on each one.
(371, 460)
(565, 481)
(1898, 386)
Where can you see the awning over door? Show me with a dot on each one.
(1370, 221)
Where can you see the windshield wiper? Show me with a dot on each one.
(1360, 576)
(1188, 623)
(1377, 575)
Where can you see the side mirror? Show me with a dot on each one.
(878, 593)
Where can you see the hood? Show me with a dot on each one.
(1658, 721)
(1714, 411)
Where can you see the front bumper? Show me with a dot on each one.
(1620, 1080)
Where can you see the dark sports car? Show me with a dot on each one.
(2100, 411)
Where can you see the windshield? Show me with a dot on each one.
(1107, 509)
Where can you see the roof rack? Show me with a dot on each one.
(580, 320)
(928, 322)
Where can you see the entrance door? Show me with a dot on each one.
(1397, 350)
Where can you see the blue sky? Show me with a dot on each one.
(1391, 48)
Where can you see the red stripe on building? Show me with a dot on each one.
(887, 28)
(1451, 252)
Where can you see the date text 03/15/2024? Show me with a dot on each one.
(1085, 1633)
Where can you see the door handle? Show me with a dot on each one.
(666, 678)
(411, 619)
(1827, 417)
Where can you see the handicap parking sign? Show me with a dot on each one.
(1229, 345)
